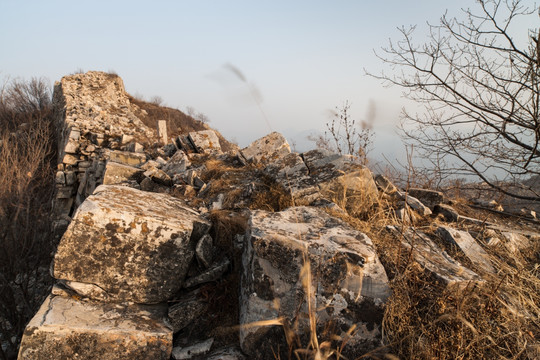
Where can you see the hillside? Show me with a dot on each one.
(195, 249)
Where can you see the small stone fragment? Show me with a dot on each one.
(204, 250)
(189, 352)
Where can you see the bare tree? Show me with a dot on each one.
(344, 135)
(478, 80)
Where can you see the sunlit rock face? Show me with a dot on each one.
(348, 283)
(135, 245)
(66, 328)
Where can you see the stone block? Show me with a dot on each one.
(349, 285)
(127, 158)
(162, 131)
(116, 173)
(205, 142)
(267, 149)
(478, 256)
(135, 245)
(428, 197)
(435, 260)
(66, 328)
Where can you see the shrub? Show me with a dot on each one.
(27, 159)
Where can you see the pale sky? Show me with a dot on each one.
(303, 57)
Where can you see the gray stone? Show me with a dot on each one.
(135, 147)
(177, 164)
(204, 250)
(162, 131)
(65, 328)
(71, 147)
(448, 212)
(405, 215)
(127, 158)
(116, 173)
(189, 352)
(385, 185)
(86, 290)
(135, 245)
(205, 142)
(187, 309)
(64, 192)
(414, 203)
(60, 178)
(70, 159)
(428, 197)
(478, 256)
(343, 261)
(213, 273)
(229, 353)
(71, 177)
(267, 149)
(158, 176)
(435, 260)
(516, 242)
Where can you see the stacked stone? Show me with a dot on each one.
(94, 115)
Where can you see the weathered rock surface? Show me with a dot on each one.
(116, 173)
(435, 260)
(177, 164)
(478, 256)
(66, 328)
(127, 157)
(185, 310)
(428, 197)
(349, 277)
(135, 245)
(448, 212)
(414, 203)
(267, 149)
(321, 174)
(205, 142)
(189, 352)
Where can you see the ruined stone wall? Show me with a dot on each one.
(93, 117)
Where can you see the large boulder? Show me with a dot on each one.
(66, 328)
(349, 284)
(135, 245)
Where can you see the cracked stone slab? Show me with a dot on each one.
(65, 328)
(478, 256)
(135, 245)
(343, 261)
(435, 260)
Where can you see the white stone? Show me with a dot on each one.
(66, 328)
(478, 256)
(343, 261)
(267, 149)
(133, 244)
(162, 131)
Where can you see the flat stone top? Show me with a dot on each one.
(123, 200)
(309, 225)
(58, 312)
